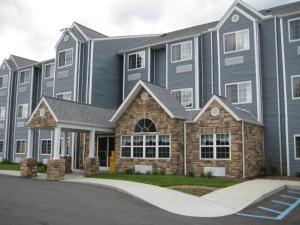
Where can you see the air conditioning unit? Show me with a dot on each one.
(45, 161)
(17, 160)
(216, 171)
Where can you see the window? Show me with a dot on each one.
(49, 71)
(24, 77)
(1, 146)
(184, 96)
(21, 147)
(294, 29)
(296, 87)
(236, 41)
(182, 51)
(65, 58)
(46, 147)
(297, 146)
(136, 60)
(215, 146)
(2, 113)
(64, 96)
(3, 81)
(67, 147)
(146, 146)
(239, 93)
(144, 125)
(22, 111)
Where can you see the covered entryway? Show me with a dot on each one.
(105, 147)
(64, 117)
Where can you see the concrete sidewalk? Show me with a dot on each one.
(223, 202)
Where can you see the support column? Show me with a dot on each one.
(91, 164)
(67, 158)
(29, 164)
(56, 166)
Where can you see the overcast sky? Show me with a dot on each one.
(31, 28)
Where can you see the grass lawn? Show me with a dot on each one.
(17, 166)
(167, 181)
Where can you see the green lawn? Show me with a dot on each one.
(166, 181)
(17, 166)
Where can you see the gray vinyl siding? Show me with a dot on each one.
(207, 81)
(181, 80)
(239, 72)
(47, 84)
(292, 62)
(249, 12)
(160, 67)
(216, 63)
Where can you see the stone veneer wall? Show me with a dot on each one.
(140, 109)
(207, 124)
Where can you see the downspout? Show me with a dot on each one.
(184, 147)
(243, 149)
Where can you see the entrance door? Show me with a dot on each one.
(105, 146)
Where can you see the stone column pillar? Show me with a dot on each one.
(91, 164)
(56, 166)
(29, 164)
(67, 158)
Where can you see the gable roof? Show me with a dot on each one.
(77, 113)
(282, 9)
(88, 32)
(21, 62)
(161, 95)
(237, 113)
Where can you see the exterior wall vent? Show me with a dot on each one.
(298, 50)
(235, 18)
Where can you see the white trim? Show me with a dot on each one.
(8, 122)
(212, 63)
(31, 92)
(202, 74)
(243, 149)
(143, 52)
(196, 52)
(54, 80)
(295, 147)
(7, 64)
(167, 66)
(285, 100)
(80, 31)
(17, 111)
(75, 97)
(123, 37)
(23, 153)
(289, 31)
(237, 83)
(219, 63)
(66, 30)
(149, 65)
(65, 93)
(278, 97)
(7, 81)
(185, 89)
(124, 74)
(44, 72)
(12, 57)
(91, 73)
(1, 108)
(19, 80)
(236, 32)
(60, 67)
(292, 87)
(181, 43)
(154, 67)
(235, 116)
(41, 141)
(88, 73)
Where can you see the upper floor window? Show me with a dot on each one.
(24, 76)
(294, 29)
(49, 71)
(297, 146)
(215, 146)
(65, 58)
(22, 112)
(3, 81)
(184, 96)
(296, 87)
(64, 96)
(239, 93)
(182, 51)
(136, 60)
(46, 147)
(1, 146)
(236, 41)
(2, 113)
(21, 147)
(144, 125)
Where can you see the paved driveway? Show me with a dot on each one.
(37, 202)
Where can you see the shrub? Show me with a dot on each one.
(162, 172)
(129, 171)
(297, 174)
(155, 172)
(274, 170)
(6, 161)
(191, 174)
(209, 174)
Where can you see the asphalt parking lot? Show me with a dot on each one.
(39, 202)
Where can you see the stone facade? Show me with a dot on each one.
(28, 167)
(91, 165)
(139, 109)
(68, 163)
(56, 169)
(43, 118)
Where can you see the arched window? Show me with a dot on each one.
(144, 125)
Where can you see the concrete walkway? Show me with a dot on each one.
(222, 202)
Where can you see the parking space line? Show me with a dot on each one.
(269, 210)
(288, 210)
(294, 192)
(291, 197)
(281, 202)
(256, 216)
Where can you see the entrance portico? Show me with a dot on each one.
(64, 117)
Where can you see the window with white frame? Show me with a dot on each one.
(184, 96)
(67, 146)
(239, 93)
(144, 125)
(215, 146)
(1, 146)
(294, 29)
(164, 146)
(22, 111)
(49, 71)
(21, 147)
(297, 146)
(46, 147)
(65, 58)
(138, 143)
(136, 60)
(24, 76)
(2, 113)
(3, 81)
(236, 41)
(126, 147)
(64, 96)
(182, 51)
(296, 86)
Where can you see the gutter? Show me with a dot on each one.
(243, 149)
(184, 147)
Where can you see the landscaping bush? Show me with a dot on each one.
(162, 172)
(154, 172)
(129, 171)
(6, 161)
(191, 174)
